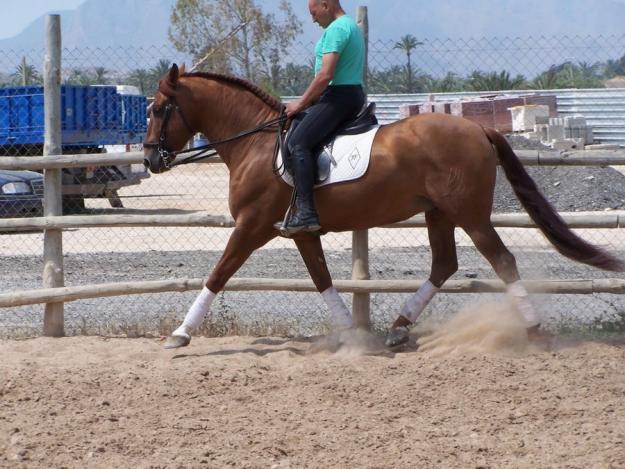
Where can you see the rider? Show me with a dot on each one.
(333, 97)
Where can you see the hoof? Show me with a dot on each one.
(177, 341)
(537, 336)
(397, 336)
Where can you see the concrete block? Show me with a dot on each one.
(407, 110)
(531, 135)
(575, 121)
(557, 121)
(590, 137)
(562, 145)
(555, 132)
(542, 131)
(443, 108)
(524, 117)
(542, 120)
(604, 146)
(480, 111)
(547, 100)
(493, 111)
(426, 108)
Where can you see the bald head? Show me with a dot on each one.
(323, 12)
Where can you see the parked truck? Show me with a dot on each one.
(94, 119)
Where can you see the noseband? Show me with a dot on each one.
(167, 157)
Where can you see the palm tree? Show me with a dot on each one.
(80, 77)
(142, 79)
(614, 67)
(547, 80)
(493, 81)
(448, 84)
(391, 80)
(408, 43)
(294, 79)
(160, 69)
(100, 76)
(587, 75)
(26, 75)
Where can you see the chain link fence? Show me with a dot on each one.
(101, 255)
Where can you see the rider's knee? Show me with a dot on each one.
(298, 149)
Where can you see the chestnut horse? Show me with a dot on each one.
(439, 164)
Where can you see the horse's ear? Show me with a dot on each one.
(183, 69)
(173, 76)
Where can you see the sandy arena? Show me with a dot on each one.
(475, 394)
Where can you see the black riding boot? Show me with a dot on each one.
(304, 217)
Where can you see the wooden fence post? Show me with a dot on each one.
(362, 19)
(53, 321)
(360, 239)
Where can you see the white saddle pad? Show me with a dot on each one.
(350, 158)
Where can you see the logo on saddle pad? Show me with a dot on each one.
(347, 158)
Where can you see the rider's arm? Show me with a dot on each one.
(317, 86)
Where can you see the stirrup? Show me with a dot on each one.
(284, 232)
(287, 231)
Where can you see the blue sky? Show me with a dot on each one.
(17, 14)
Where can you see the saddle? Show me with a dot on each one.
(364, 121)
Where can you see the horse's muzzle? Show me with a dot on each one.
(153, 161)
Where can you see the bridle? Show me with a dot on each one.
(166, 155)
(205, 151)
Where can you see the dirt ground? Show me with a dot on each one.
(474, 394)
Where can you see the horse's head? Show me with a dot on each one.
(169, 130)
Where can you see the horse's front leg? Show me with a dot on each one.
(311, 251)
(242, 243)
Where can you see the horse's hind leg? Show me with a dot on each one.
(444, 265)
(311, 251)
(490, 245)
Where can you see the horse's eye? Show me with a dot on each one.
(157, 110)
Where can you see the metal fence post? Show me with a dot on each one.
(53, 321)
(360, 239)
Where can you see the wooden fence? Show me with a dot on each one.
(54, 294)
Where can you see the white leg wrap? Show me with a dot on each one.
(415, 305)
(198, 310)
(518, 294)
(339, 314)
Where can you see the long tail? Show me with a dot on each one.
(545, 216)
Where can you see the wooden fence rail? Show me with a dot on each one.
(527, 157)
(614, 219)
(67, 294)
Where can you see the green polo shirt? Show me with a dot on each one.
(343, 36)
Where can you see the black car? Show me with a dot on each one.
(21, 194)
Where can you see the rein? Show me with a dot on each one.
(205, 151)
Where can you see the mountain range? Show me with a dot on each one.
(144, 23)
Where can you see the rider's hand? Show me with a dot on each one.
(294, 107)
